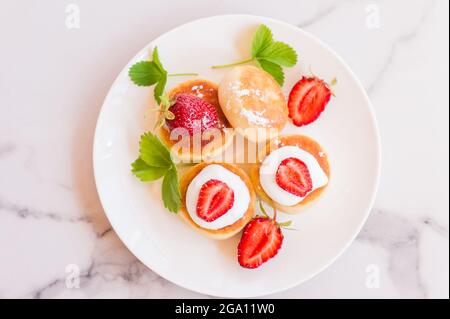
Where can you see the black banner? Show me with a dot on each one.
(224, 308)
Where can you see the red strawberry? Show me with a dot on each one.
(307, 100)
(214, 200)
(293, 176)
(192, 113)
(260, 241)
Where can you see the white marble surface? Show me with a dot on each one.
(52, 83)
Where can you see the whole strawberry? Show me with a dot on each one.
(192, 113)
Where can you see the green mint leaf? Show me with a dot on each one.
(279, 53)
(262, 39)
(147, 173)
(158, 91)
(153, 152)
(145, 73)
(170, 190)
(273, 69)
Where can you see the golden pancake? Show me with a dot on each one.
(251, 99)
(230, 230)
(308, 145)
(207, 91)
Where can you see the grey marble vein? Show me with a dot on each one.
(131, 272)
(436, 226)
(23, 211)
(6, 149)
(399, 41)
(400, 238)
(323, 13)
(105, 232)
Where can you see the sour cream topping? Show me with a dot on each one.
(241, 196)
(268, 172)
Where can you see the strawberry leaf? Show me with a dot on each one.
(170, 190)
(155, 162)
(147, 173)
(271, 55)
(273, 69)
(158, 91)
(262, 39)
(279, 53)
(156, 60)
(153, 152)
(145, 73)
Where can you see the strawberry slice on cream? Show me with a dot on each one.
(289, 184)
(209, 201)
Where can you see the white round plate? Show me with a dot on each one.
(162, 240)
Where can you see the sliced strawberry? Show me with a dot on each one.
(293, 176)
(260, 241)
(215, 199)
(307, 100)
(193, 114)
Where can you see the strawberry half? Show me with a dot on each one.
(192, 113)
(293, 176)
(214, 200)
(307, 100)
(260, 241)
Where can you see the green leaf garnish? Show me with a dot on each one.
(147, 73)
(262, 39)
(156, 60)
(145, 172)
(155, 162)
(153, 152)
(279, 53)
(274, 69)
(158, 91)
(144, 73)
(171, 191)
(271, 55)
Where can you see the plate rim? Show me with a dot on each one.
(375, 183)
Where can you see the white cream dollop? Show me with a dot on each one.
(241, 196)
(268, 172)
